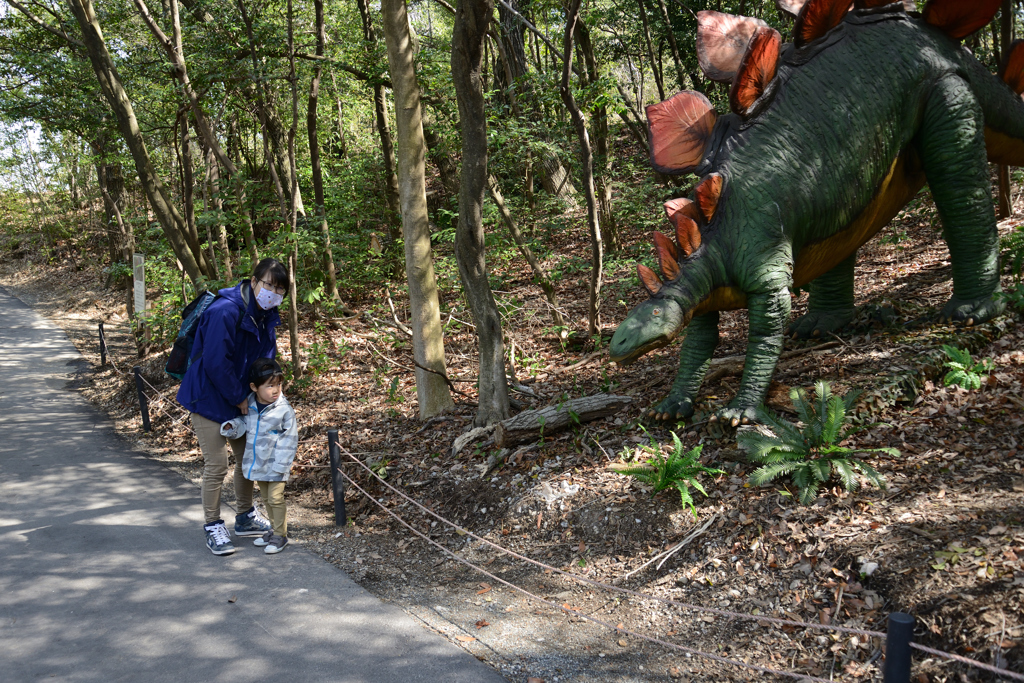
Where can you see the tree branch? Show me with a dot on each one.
(43, 25)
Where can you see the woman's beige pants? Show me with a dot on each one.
(216, 450)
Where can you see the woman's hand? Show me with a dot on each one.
(244, 407)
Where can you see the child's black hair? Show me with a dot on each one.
(264, 370)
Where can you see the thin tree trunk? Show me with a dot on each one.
(671, 35)
(242, 208)
(1006, 37)
(110, 83)
(188, 203)
(586, 159)
(213, 180)
(543, 279)
(383, 132)
(340, 150)
(650, 49)
(295, 202)
(469, 36)
(331, 281)
(603, 156)
(428, 344)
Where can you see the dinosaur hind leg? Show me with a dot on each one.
(952, 146)
(830, 305)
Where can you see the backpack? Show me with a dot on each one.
(181, 353)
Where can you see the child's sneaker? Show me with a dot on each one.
(263, 540)
(275, 545)
(217, 539)
(251, 523)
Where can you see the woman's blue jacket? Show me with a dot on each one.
(233, 332)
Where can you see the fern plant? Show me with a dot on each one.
(678, 470)
(810, 455)
(964, 372)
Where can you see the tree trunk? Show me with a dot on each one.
(188, 203)
(242, 208)
(1006, 37)
(658, 80)
(428, 345)
(587, 163)
(110, 83)
(531, 425)
(603, 156)
(676, 59)
(383, 132)
(543, 279)
(213, 180)
(295, 202)
(330, 281)
(468, 37)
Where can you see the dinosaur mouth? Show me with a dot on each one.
(630, 357)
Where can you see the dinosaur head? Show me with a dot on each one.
(651, 325)
(684, 263)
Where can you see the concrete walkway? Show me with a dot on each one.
(104, 575)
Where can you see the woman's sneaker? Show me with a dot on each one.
(251, 523)
(275, 545)
(263, 540)
(217, 539)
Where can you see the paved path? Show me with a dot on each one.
(104, 575)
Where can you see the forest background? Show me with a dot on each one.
(462, 192)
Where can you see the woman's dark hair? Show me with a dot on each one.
(264, 370)
(271, 271)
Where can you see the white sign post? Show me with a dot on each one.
(139, 273)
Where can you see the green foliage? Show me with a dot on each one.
(810, 455)
(964, 372)
(1012, 247)
(678, 470)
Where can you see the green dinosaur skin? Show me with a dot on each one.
(848, 131)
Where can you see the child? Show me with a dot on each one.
(271, 437)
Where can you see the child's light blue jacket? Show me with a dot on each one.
(271, 438)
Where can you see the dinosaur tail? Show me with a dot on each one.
(1002, 106)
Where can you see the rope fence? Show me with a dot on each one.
(898, 639)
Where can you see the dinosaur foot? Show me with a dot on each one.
(671, 409)
(735, 416)
(972, 312)
(818, 323)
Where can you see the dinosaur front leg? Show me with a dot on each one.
(952, 147)
(694, 359)
(768, 315)
(830, 304)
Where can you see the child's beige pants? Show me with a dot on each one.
(272, 493)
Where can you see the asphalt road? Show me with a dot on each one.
(104, 575)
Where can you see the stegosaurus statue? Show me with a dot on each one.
(829, 137)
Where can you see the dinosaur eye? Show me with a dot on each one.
(656, 311)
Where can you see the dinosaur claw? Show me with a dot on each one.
(651, 413)
(816, 333)
(969, 322)
(745, 420)
(680, 416)
(735, 421)
(713, 418)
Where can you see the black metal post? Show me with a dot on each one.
(103, 348)
(143, 401)
(897, 648)
(337, 481)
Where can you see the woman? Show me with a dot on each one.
(235, 330)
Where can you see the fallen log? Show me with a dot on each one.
(530, 425)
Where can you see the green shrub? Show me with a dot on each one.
(810, 455)
(964, 372)
(679, 470)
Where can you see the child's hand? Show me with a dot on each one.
(227, 426)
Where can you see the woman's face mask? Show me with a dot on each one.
(266, 298)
